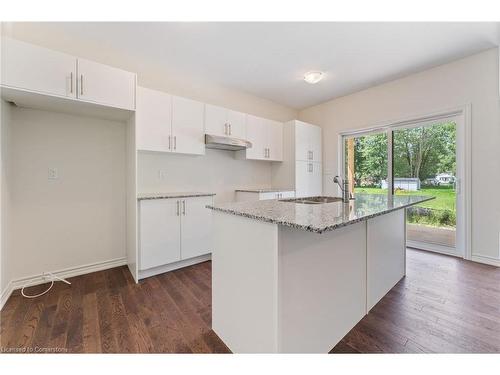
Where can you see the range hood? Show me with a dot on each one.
(226, 143)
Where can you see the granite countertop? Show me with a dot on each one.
(268, 190)
(320, 218)
(164, 195)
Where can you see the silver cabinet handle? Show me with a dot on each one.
(310, 167)
(178, 209)
(230, 130)
(268, 153)
(184, 208)
(175, 142)
(71, 83)
(81, 84)
(169, 142)
(225, 128)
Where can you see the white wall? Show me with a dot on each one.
(5, 271)
(76, 220)
(471, 80)
(218, 171)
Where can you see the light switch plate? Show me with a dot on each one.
(162, 174)
(52, 174)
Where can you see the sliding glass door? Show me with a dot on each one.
(366, 163)
(421, 158)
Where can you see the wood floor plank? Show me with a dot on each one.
(443, 305)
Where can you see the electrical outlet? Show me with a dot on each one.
(162, 174)
(52, 174)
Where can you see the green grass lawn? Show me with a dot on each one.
(445, 196)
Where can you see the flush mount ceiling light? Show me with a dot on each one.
(313, 77)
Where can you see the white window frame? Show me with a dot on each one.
(462, 116)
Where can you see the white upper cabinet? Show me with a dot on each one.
(266, 137)
(257, 135)
(237, 124)
(224, 122)
(168, 123)
(40, 70)
(153, 120)
(275, 140)
(307, 142)
(103, 84)
(188, 130)
(215, 120)
(29, 67)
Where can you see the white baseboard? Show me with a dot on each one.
(485, 259)
(173, 266)
(5, 294)
(64, 273)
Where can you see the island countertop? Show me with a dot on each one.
(323, 217)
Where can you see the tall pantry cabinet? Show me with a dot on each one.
(301, 168)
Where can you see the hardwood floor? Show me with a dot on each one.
(444, 305)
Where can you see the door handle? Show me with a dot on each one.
(225, 128)
(175, 142)
(71, 83)
(230, 130)
(169, 142)
(184, 208)
(178, 209)
(81, 84)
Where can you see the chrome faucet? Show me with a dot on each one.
(344, 187)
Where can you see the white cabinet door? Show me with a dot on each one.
(302, 136)
(160, 233)
(268, 195)
(315, 142)
(153, 120)
(196, 227)
(315, 179)
(188, 128)
(103, 84)
(237, 124)
(275, 140)
(34, 68)
(216, 120)
(302, 176)
(257, 135)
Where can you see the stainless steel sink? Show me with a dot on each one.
(313, 200)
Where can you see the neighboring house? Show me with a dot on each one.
(444, 179)
(410, 184)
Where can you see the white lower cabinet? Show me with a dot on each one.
(173, 230)
(196, 227)
(245, 196)
(160, 232)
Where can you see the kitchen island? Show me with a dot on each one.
(296, 277)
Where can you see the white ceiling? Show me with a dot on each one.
(269, 59)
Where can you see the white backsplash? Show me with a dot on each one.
(217, 171)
